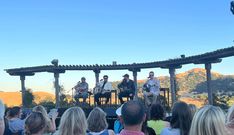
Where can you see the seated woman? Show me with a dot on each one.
(97, 124)
(73, 122)
(50, 122)
(157, 116)
(180, 120)
(35, 124)
(230, 120)
(209, 120)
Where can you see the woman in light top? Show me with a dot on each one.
(97, 124)
(157, 116)
(209, 120)
(180, 120)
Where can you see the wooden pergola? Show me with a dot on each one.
(171, 64)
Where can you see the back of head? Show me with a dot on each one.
(157, 112)
(209, 120)
(133, 113)
(14, 111)
(40, 109)
(35, 123)
(230, 117)
(97, 120)
(73, 122)
(181, 117)
(193, 108)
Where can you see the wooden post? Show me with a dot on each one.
(23, 89)
(172, 85)
(97, 72)
(57, 89)
(208, 77)
(135, 82)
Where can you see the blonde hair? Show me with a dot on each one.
(230, 116)
(97, 120)
(73, 122)
(43, 111)
(209, 120)
(35, 123)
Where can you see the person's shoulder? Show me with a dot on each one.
(111, 132)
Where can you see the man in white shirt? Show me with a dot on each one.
(105, 88)
(151, 89)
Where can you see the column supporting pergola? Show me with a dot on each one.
(97, 72)
(23, 89)
(134, 73)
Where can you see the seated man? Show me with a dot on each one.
(81, 90)
(151, 89)
(127, 88)
(105, 88)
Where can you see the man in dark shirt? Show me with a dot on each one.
(127, 88)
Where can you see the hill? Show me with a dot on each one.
(15, 99)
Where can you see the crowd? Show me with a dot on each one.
(133, 119)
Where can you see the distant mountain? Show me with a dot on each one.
(194, 81)
(15, 99)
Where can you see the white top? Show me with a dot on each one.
(154, 86)
(107, 87)
(170, 131)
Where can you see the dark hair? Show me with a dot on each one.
(34, 123)
(14, 111)
(132, 113)
(181, 117)
(157, 112)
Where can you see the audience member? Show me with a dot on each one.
(133, 116)
(230, 120)
(16, 125)
(97, 124)
(50, 122)
(193, 109)
(118, 125)
(209, 120)
(73, 122)
(2, 123)
(35, 124)
(157, 115)
(180, 121)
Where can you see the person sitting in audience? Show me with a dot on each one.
(133, 116)
(73, 122)
(209, 120)
(35, 124)
(50, 122)
(16, 125)
(2, 123)
(118, 126)
(127, 88)
(193, 109)
(180, 121)
(230, 120)
(97, 124)
(157, 116)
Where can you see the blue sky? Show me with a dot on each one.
(33, 33)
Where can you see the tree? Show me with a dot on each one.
(29, 98)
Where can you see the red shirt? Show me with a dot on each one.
(129, 132)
